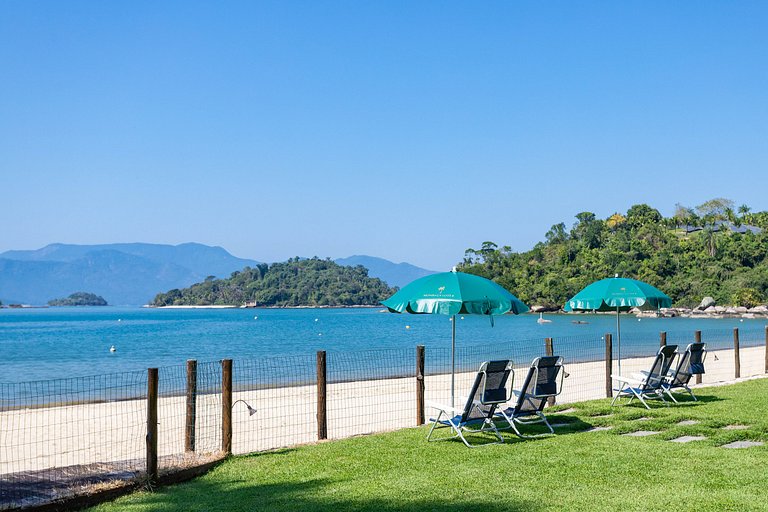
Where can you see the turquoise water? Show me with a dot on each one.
(39, 344)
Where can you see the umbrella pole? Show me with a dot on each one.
(618, 337)
(453, 356)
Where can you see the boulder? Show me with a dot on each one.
(720, 309)
(538, 309)
(731, 311)
(706, 302)
(711, 310)
(759, 310)
(740, 310)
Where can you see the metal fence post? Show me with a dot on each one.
(226, 406)
(152, 381)
(736, 356)
(697, 339)
(549, 350)
(608, 365)
(189, 431)
(420, 420)
(322, 419)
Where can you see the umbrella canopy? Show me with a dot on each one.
(453, 293)
(618, 294)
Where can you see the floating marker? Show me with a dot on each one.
(256, 318)
(319, 334)
(316, 319)
(112, 349)
(119, 319)
(407, 326)
(462, 318)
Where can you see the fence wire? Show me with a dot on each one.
(68, 437)
(64, 437)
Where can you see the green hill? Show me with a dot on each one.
(711, 250)
(79, 299)
(296, 282)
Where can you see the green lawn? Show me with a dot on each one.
(574, 470)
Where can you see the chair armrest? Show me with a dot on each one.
(628, 380)
(444, 407)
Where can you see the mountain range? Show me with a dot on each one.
(133, 273)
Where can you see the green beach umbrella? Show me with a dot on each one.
(618, 294)
(454, 293)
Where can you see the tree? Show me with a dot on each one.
(715, 209)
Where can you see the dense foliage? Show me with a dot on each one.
(79, 299)
(296, 282)
(642, 244)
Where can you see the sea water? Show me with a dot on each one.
(40, 344)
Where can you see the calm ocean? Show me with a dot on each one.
(39, 344)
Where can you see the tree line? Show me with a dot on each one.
(694, 253)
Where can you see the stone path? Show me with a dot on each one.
(687, 439)
(641, 433)
(742, 444)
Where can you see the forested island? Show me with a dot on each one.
(712, 250)
(79, 299)
(296, 282)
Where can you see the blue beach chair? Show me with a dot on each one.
(488, 391)
(648, 384)
(690, 363)
(543, 381)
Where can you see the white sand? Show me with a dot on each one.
(36, 439)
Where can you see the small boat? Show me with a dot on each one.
(580, 322)
(543, 320)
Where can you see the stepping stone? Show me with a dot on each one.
(687, 422)
(602, 416)
(742, 444)
(598, 429)
(687, 439)
(565, 411)
(736, 427)
(644, 418)
(641, 433)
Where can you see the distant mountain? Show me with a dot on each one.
(124, 274)
(394, 274)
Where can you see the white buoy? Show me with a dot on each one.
(407, 326)
(462, 318)
(112, 349)
(256, 318)
(319, 334)
(119, 319)
(316, 319)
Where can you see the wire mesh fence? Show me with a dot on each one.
(76, 436)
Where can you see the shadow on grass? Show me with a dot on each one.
(312, 495)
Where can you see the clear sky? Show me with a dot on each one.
(405, 130)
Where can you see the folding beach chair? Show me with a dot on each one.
(691, 362)
(544, 380)
(647, 385)
(488, 390)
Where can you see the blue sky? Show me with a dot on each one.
(405, 130)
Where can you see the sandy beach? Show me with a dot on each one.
(51, 437)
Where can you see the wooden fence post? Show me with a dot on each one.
(608, 365)
(152, 381)
(663, 338)
(189, 431)
(736, 357)
(226, 406)
(420, 420)
(322, 420)
(549, 350)
(697, 339)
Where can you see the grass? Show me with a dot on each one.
(574, 470)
